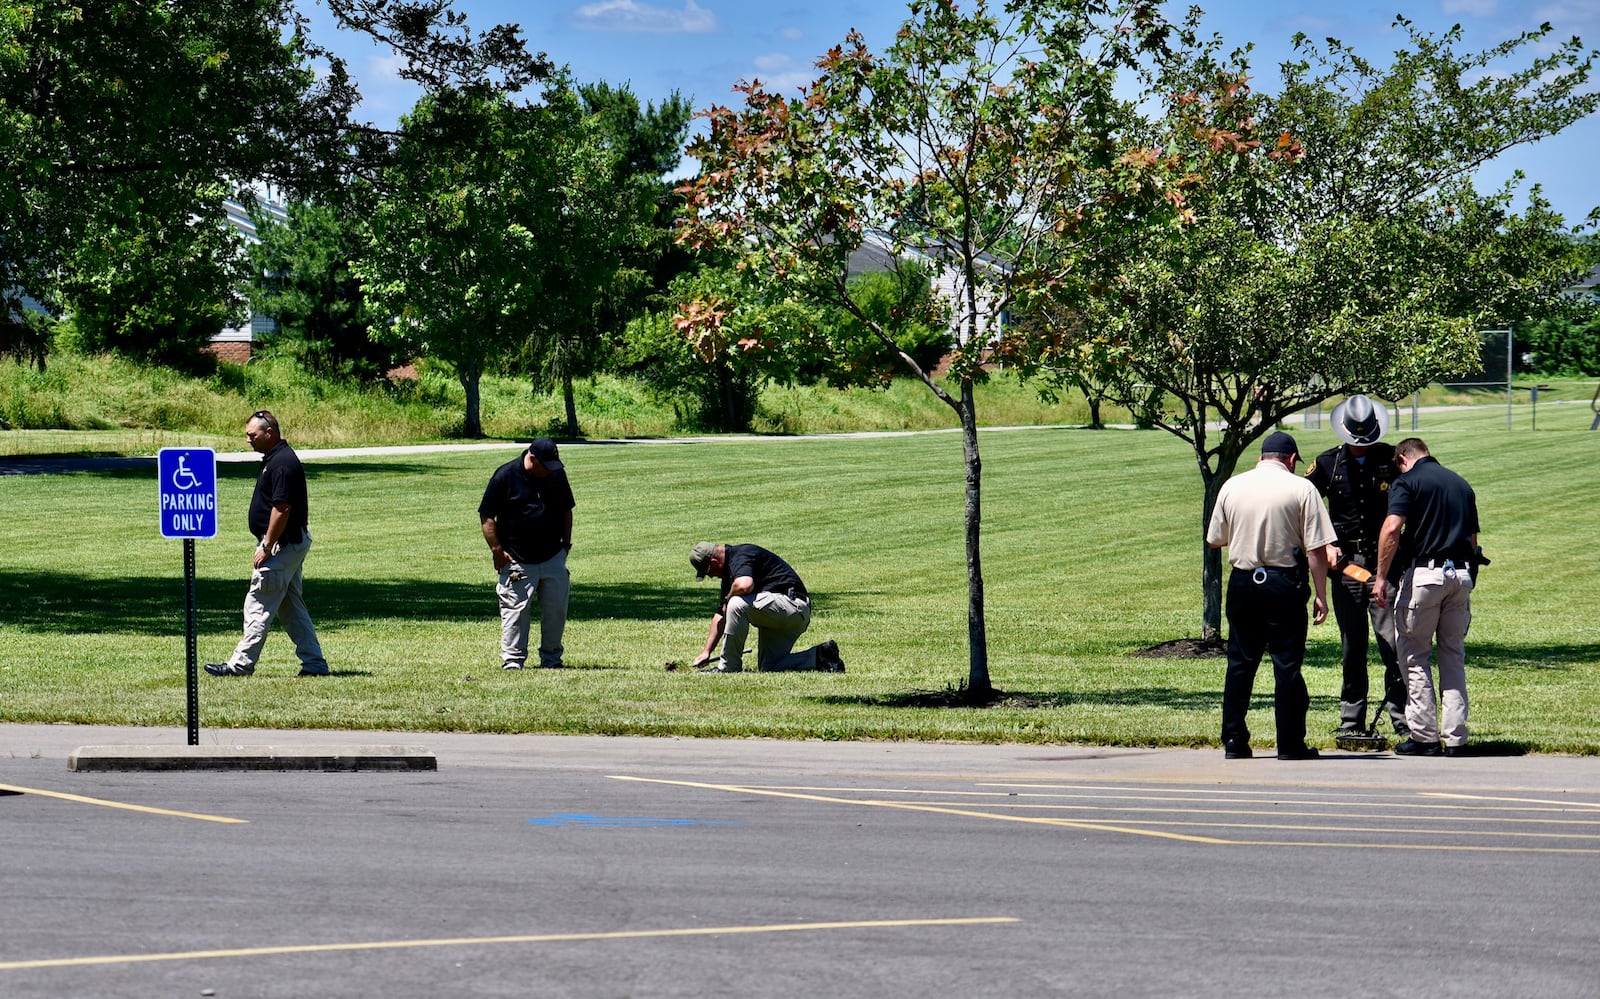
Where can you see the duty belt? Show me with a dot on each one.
(1259, 573)
(1440, 562)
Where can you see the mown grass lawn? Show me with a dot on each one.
(1091, 551)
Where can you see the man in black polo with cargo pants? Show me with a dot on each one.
(526, 516)
(1430, 543)
(278, 519)
(1276, 531)
(760, 589)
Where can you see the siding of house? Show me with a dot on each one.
(236, 343)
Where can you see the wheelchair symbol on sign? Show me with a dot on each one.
(183, 478)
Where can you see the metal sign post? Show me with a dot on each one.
(186, 479)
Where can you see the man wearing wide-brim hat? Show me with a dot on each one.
(1355, 478)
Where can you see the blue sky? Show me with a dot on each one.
(703, 47)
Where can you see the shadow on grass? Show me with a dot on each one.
(57, 602)
(1149, 697)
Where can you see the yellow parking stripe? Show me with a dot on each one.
(1102, 826)
(80, 799)
(1022, 798)
(327, 948)
(1525, 801)
(908, 806)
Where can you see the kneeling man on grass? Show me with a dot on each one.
(761, 589)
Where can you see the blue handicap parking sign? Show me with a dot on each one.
(188, 483)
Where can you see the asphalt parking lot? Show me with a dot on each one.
(587, 866)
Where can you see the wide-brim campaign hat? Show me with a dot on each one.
(1360, 421)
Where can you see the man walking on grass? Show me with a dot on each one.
(1277, 533)
(277, 518)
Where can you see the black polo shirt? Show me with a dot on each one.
(529, 513)
(282, 479)
(1440, 509)
(771, 573)
(1358, 493)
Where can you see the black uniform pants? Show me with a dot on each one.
(1352, 608)
(1268, 617)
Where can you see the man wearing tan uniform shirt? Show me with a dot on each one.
(1276, 531)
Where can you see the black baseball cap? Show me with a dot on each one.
(1279, 442)
(544, 451)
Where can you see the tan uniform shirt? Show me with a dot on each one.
(1264, 514)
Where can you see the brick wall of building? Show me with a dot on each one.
(230, 351)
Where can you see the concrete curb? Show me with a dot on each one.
(319, 758)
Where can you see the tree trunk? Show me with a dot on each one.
(978, 685)
(573, 429)
(1093, 398)
(469, 375)
(1211, 558)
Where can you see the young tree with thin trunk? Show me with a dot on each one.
(967, 143)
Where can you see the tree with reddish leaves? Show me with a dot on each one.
(1337, 245)
(987, 139)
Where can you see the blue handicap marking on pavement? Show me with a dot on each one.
(187, 480)
(622, 822)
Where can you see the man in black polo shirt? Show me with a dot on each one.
(1429, 542)
(1355, 478)
(277, 518)
(762, 589)
(526, 513)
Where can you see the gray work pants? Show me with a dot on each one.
(1435, 603)
(275, 591)
(779, 620)
(521, 583)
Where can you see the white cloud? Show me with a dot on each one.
(1571, 17)
(642, 18)
(783, 73)
(793, 34)
(1471, 8)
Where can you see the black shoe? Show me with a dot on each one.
(1303, 753)
(1454, 750)
(1412, 747)
(1235, 749)
(828, 660)
(229, 669)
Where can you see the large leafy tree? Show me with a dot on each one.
(1338, 245)
(113, 111)
(609, 153)
(121, 115)
(458, 244)
(303, 277)
(155, 288)
(973, 135)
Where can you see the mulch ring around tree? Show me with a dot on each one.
(1185, 648)
(961, 697)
